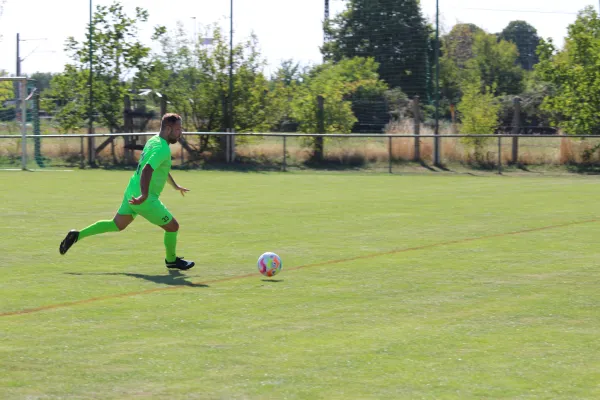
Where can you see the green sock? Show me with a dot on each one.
(97, 228)
(171, 245)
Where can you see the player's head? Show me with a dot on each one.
(170, 127)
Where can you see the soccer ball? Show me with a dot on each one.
(269, 264)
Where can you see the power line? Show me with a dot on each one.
(520, 11)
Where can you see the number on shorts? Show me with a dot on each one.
(165, 218)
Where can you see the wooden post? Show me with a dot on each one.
(390, 154)
(453, 117)
(127, 128)
(284, 153)
(417, 128)
(499, 154)
(223, 140)
(318, 155)
(516, 127)
(231, 146)
(82, 154)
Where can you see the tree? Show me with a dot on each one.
(117, 51)
(478, 113)
(42, 80)
(283, 86)
(195, 79)
(495, 62)
(7, 92)
(532, 118)
(457, 45)
(394, 33)
(6, 89)
(67, 99)
(467, 51)
(289, 72)
(525, 37)
(336, 83)
(574, 74)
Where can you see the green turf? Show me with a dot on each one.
(403, 287)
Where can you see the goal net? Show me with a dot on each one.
(19, 124)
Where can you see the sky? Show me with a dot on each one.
(286, 29)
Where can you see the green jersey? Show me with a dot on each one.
(157, 154)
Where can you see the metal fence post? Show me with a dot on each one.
(24, 124)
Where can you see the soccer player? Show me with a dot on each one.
(141, 195)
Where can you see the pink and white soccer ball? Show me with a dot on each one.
(269, 264)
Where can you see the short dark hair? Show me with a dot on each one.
(169, 119)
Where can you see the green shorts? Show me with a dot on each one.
(152, 209)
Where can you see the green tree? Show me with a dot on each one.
(495, 61)
(195, 79)
(289, 72)
(6, 89)
(117, 52)
(283, 85)
(394, 33)
(67, 99)
(574, 73)
(457, 45)
(456, 50)
(42, 79)
(478, 114)
(7, 92)
(525, 37)
(335, 83)
(468, 51)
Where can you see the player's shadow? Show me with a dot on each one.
(175, 278)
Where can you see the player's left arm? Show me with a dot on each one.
(181, 189)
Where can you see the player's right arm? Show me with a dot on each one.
(144, 186)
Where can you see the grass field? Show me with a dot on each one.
(393, 287)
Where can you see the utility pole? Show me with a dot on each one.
(195, 31)
(21, 59)
(18, 56)
(22, 94)
(436, 146)
(325, 22)
(91, 144)
(230, 105)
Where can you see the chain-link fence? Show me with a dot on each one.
(282, 152)
(428, 56)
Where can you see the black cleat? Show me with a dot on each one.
(180, 264)
(68, 241)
